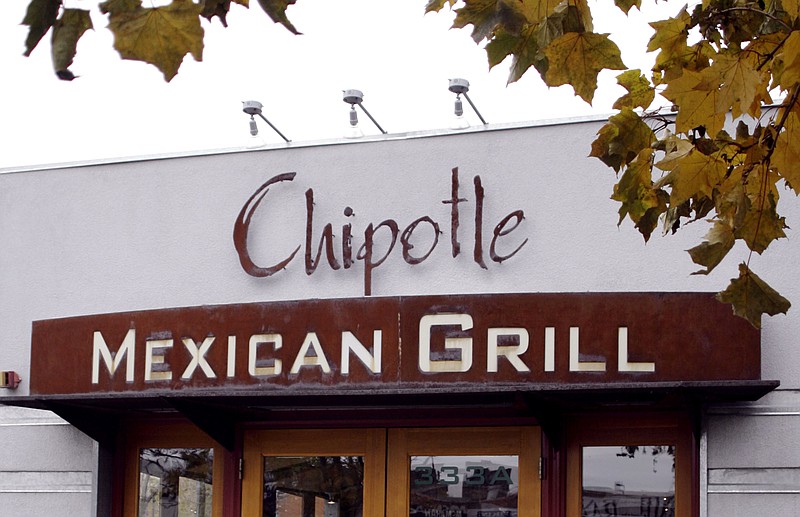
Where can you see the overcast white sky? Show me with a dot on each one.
(400, 58)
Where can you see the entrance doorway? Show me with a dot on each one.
(420, 472)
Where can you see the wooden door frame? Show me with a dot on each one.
(179, 435)
(632, 429)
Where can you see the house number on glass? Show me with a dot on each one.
(464, 486)
(450, 475)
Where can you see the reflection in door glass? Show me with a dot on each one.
(313, 486)
(635, 481)
(175, 482)
(464, 486)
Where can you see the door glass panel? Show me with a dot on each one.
(313, 486)
(461, 486)
(635, 481)
(175, 482)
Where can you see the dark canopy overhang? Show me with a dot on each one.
(219, 411)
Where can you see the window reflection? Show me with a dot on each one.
(464, 486)
(175, 482)
(313, 486)
(630, 481)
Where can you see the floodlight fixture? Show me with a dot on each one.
(461, 87)
(253, 108)
(353, 98)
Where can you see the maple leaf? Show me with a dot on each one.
(527, 53)
(692, 174)
(786, 157)
(760, 223)
(220, 8)
(621, 140)
(715, 246)
(67, 30)
(535, 11)
(626, 5)
(792, 7)
(39, 17)
(276, 9)
(438, 5)
(523, 47)
(697, 97)
(743, 87)
(751, 297)
(577, 59)
(640, 92)
(791, 61)
(670, 35)
(638, 198)
(161, 36)
(486, 16)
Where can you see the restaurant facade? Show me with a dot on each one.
(431, 324)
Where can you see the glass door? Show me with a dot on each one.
(314, 473)
(442, 472)
(464, 472)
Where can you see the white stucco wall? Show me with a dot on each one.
(158, 233)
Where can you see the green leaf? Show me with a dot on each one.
(66, 33)
(640, 92)
(577, 59)
(501, 46)
(40, 16)
(276, 9)
(528, 53)
(715, 246)
(751, 297)
(161, 36)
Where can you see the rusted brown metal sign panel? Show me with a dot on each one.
(396, 341)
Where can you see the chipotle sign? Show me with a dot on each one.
(399, 341)
(379, 239)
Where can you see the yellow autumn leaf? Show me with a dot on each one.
(537, 10)
(577, 59)
(638, 198)
(744, 88)
(791, 61)
(786, 157)
(670, 35)
(692, 174)
(751, 297)
(698, 100)
(715, 246)
(161, 36)
(640, 92)
(792, 7)
(620, 141)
